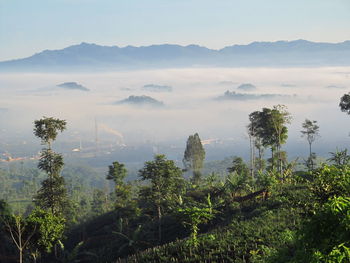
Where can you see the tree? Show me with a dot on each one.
(5, 210)
(269, 125)
(345, 103)
(340, 158)
(117, 172)
(52, 194)
(329, 181)
(236, 183)
(239, 167)
(99, 202)
(194, 156)
(192, 217)
(261, 129)
(253, 141)
(49, 229)
(255, 127)
(325, 238)
(260, 162)
(165, 183)
(310, 132)
(19, 232)
(280, 117)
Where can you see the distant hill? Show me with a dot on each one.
(87, 57)
(232, 95)
(72, 86)
(157, 88)
(141, 100)
(246, 87)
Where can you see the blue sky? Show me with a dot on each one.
(30, 26)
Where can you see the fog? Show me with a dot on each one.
(191, 107)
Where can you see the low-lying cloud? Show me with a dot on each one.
(190, 107)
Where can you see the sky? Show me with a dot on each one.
(28, 27)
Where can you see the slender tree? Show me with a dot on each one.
(52, 194)
(194, 156)
(310, 132)
(252, 139)
(255, 131)
(279, 118)
(17, 227)
(165, 183)
(192, 217)
(260, 162)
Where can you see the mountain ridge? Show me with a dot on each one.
(90, 56)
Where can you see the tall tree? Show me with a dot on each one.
(310, 132)
(52, 194)
(270, 127)
(255, 131)
(345, 103)
(252, 139)
(194, 156)
(260, 162)
(165, 183)
(279, 118)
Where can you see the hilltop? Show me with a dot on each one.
(87, 57)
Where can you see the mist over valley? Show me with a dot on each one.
(132, 130)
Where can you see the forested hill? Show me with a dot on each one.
(95, 57)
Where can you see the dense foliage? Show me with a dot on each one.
(248, 214)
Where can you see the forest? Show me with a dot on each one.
(267, 209)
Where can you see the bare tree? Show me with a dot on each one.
(19, 232)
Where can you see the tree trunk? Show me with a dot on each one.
(280, 167)
(260, 159)
(20, 255)
(310, 156)
(252, 155)
(272, 158)
(159, 224)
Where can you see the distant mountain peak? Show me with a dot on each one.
(91, 57)
(72, 86)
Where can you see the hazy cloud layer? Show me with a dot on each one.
(190, 107)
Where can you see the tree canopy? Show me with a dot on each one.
(345, 103)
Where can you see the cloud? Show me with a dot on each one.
(190, 108)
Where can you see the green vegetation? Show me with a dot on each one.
(194, 156)
(252, 214)
(53, 194)
(310, 132)
(345, 103)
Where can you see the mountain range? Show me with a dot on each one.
(92, 57)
